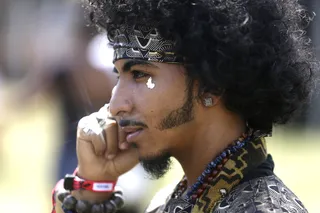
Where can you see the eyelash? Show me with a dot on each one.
(136, 74)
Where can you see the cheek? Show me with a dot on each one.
(151, 108)
(151, 96)
(155, 104)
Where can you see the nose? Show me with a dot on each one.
(120, 102)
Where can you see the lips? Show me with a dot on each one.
(132, 133)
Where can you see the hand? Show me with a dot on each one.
(103, 153)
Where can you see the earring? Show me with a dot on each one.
(208, 102)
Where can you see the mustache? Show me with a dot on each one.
(125, 123)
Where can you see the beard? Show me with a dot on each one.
(158, 165)
(183, 114)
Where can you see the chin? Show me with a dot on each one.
(156, 165)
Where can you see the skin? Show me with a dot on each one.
(193, 140)
(133, 100)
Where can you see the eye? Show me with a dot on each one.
(138, 74)
(115, 71)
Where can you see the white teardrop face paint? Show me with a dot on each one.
(150, 84)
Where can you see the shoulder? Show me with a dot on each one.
(262, 195)
(160, 199)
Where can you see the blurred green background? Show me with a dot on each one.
(30, 138)
(54, 70)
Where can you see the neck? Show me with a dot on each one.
(209, 141)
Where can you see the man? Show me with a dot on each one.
(203, 82)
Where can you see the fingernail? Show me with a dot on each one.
(124, 145)
(110, 157)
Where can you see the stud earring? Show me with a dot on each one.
(208, 102)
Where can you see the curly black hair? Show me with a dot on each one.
(252, 53)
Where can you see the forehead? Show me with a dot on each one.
(124, 65)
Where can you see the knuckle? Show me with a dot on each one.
(95, 127)
(105, 109)
(102, 138)
(111, 124)
(83, 122)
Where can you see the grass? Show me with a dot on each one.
(30, 140)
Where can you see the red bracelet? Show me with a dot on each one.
(78, 183)
(73, 182)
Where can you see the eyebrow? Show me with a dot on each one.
(130, 63)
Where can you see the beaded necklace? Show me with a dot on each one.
(211, 171)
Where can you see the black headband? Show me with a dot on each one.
(143, 43)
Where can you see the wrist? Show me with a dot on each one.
(95, 176)
(89, 195)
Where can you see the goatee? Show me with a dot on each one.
(157, 166)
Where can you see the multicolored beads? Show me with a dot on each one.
(72, 205)
(211, 171)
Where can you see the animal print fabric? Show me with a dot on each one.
(261, 195)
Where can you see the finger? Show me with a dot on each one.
(92, 130)
(84, 130)
(98, 142)
(100, 138)
(85, 150)
(112, 139)
(122, 163)
(88, 160)
(105, 110)
(123, 144)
